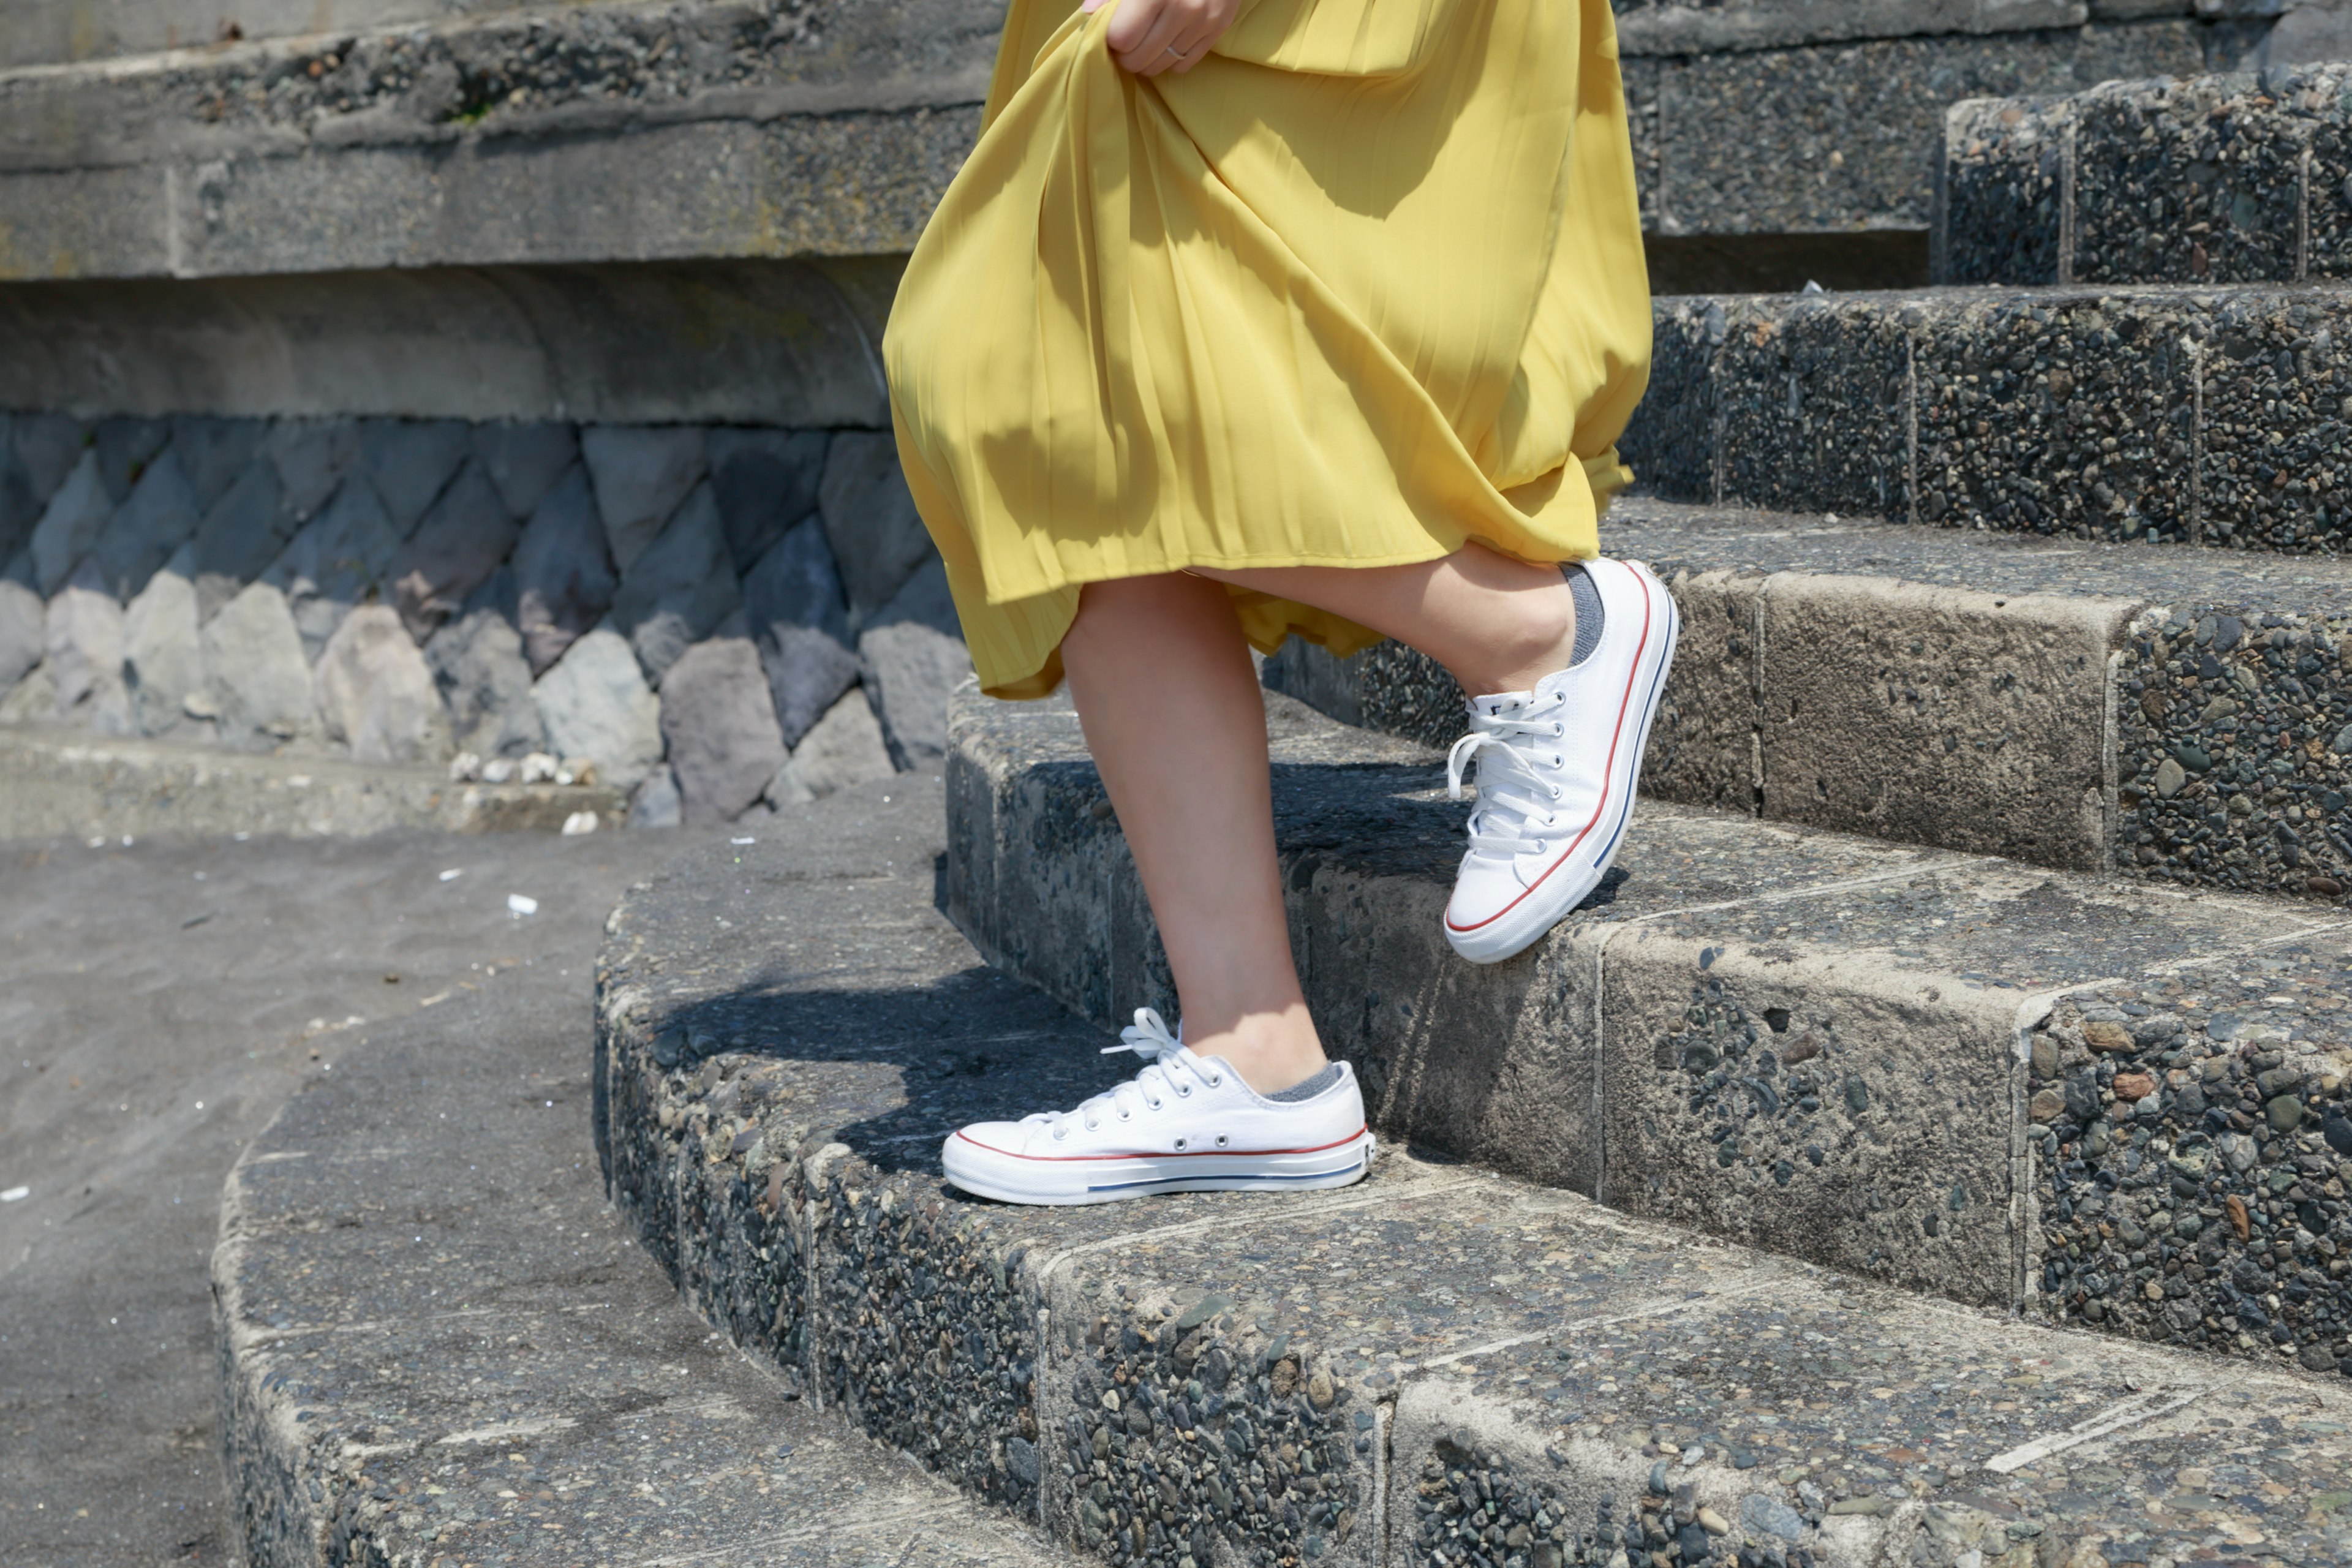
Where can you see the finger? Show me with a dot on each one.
(1135, 19)
(1154, 52)
(1195, 46)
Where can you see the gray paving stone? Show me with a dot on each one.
(242, 534)
(485, 681)
(656, 802)
(70, 524)
(462, 539)
(563, 575)
(164, 660)
(213, 453)
(878, 537)
(159, 516)
(256, 670)
(84, 636)
(47, 444)
(24, 634)
(376, 693)
(336, 561)
(679, 588)
(765, 482)
(800, 622)
(641, 474)
(310, 456)
(20, 507)
(524, 459)
(125, 445)
(843, 750)
(595, 703)
(720, 726)
(411, 460)
(913, 657)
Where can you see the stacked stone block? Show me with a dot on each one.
(715, 618)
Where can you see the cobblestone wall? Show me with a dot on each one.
(714, 618)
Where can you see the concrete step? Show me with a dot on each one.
(1896, 1062)
(437, 1346)
(2239, 178)
(1441, 1366)
(59, 784)
(2208, 417)
(2089, 706)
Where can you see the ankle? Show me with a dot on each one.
(1539, 640)
(1271, 1050)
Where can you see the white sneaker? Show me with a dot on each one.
(1183, 1124)
(1557, 771)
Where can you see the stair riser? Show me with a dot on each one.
(2208, 182)
(2143, 416)
(2053, 730)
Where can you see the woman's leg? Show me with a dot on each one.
(1494, 622)
(1165, 690)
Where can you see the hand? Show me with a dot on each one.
(1149, 37)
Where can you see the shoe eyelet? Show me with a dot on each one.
(1184, 1092)
(1220, 1139)
(1558, 729)
(1093, 1126)
(1555, 792)
(1127, 1116)
(1541, 847)
(1155, 1104)
(1180, 1145)
(1218, 1082)
(1060, 1134)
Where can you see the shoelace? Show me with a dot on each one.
(1168, 1071)
(1511, 796)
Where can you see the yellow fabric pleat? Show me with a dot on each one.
(1362, 286)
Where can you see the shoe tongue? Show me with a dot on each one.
(1500, 703)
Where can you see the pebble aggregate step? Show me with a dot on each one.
(1826, 1045)
(1442, 1365)
(437, 1346)
(2240, 178)
(2211, 417)
(2179, 715)
(56, 785)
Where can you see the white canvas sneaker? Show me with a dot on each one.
(1183, 1124)
(1557, 771)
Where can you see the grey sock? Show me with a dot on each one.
(1590, 617)
(1312, 1087)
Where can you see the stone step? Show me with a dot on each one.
(2079, 704)
(2204, 416)
(2238, 178)
(437, 1346)
(1924, 1067)
(1442, 1365)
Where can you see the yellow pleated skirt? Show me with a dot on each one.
(1364, 285)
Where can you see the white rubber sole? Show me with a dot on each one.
(1008, 1178)
(1547, 904)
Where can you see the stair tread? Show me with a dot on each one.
(1701, 536)
(418, 1279)
(1428, 1306)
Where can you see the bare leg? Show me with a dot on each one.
(1494, 622)
(1173, 713)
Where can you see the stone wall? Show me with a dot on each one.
(712, 617)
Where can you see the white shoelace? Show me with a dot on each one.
(1170, 1072)
(1511, 795)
